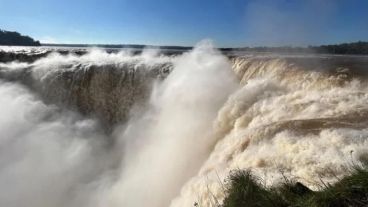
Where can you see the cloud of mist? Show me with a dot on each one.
(48, 39)
(48, 157)
(170, 141)
(52, 157)
(197, 125)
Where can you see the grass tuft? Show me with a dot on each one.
(245, 189)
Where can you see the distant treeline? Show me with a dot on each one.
(14, 38)
(120, 46)
(345, 48)
(355, 48)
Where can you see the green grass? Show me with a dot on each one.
(245, 189)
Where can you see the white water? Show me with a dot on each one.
(199, 124)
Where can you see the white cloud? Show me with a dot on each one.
(48, 39)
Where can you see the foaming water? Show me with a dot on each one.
(97, 84)
(48, 157)
(177, 130)
(284, 121)
(177, 125)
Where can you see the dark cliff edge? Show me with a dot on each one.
(16, 39)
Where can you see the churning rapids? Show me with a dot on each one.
(97, 128)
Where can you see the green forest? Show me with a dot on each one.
(16, 39)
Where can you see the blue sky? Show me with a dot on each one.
(229, 23)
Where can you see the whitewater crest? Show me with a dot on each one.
(95, 84)
(284, 120)
(156, 130)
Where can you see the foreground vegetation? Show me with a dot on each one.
(244, 189)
